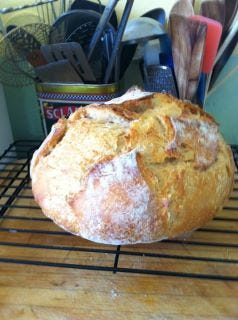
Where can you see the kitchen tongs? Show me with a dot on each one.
(100, 27)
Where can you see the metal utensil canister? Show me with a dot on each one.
(60, 100)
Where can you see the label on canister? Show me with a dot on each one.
(57, 100)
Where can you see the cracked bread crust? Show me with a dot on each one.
(134, 170)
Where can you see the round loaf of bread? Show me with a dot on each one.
(140, 168)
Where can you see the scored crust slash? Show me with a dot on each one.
(136, 169)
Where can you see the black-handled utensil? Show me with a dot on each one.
(93, 6)
(100, 27)
(79, 26)
(231, 8)
(220, 63)
(117, 42)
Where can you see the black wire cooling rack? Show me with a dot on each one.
(28, 237)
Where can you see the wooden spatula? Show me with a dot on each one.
(214, 9)
(182, 8)
(188, 38)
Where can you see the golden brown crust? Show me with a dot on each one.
(133, 171)
(50, 142)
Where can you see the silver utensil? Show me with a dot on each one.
(159, 78)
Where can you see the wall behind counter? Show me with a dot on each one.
(24, 112)
(222, 100)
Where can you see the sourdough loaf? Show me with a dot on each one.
(140, 168)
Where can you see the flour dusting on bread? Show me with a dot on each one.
(135, 93)
(200, 135)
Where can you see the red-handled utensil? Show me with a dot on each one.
(214, 31)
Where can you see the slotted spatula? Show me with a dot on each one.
(214, 31)
(58, 72)
(73, 52)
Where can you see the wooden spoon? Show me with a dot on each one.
(183, 8)
(181, 51)
(214, 9)
(198, 31)
(188, 39)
